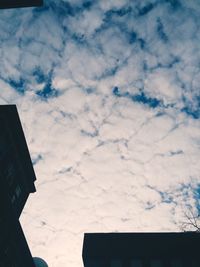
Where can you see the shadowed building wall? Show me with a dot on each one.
(17, 179)
(141, 250)
(16, 171)
(20, 3)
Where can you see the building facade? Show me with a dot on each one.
(141, 250)
(20, 3)
(17, 179)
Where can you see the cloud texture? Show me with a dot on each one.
(108, 94)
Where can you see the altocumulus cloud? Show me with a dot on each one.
(108, 93)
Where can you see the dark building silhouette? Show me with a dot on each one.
(16, 183)
(141, 250)
(20, 3)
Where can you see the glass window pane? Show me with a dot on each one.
(136, 263)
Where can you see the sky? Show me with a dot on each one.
(109, 99)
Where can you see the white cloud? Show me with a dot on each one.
(104, 161)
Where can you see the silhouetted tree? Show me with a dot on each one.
(191, 222)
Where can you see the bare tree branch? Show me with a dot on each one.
(192, 222)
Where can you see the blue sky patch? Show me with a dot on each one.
(63, 9)
(47, 92)
(132, 37)
(166, 197)
(119, 12)
(145, 10)
(19, 86)
(87, 4)
(39, 75)
(197, 197)
(194, 113)
(175, 4)
(36, 159)
(140, 98)
(160, 30)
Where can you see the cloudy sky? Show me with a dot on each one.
(108, 95)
